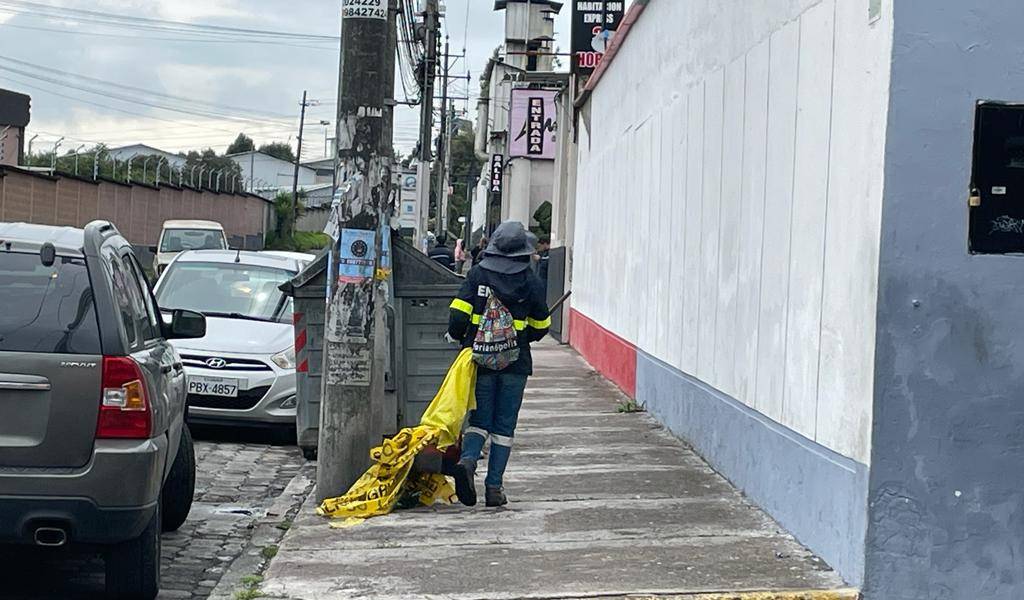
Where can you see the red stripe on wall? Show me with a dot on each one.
(612, 356)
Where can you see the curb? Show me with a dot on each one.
(267, 531)
(847, 594)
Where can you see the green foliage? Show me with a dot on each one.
(465, 170)
(279, 150)
(143, 166)
(304, 241)
(630, 406)
(251, 588)
(269, 552)
(211, 164)
(242, 143)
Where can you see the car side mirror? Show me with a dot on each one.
(153, 249)
(185, 325)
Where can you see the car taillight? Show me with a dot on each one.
(124, 409)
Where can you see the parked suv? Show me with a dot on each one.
(93, 447)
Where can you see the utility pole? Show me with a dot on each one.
(441, 226)
(364, 151)
(298, 161)
(430, 37)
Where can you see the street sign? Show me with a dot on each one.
(364, 9)
(593, 25)
(533, 125)
(497, 173)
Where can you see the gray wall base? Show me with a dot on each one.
(817, 495)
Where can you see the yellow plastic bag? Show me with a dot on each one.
(380, 488)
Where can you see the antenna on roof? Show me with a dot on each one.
(238, 256)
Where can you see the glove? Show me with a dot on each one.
(448, 338)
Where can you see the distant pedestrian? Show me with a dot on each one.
(442, 254)
(478, 251)
(503, 300)
(542, 259)
(460, 255)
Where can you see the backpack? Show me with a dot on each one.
(496, 345)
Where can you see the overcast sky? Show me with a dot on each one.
(255, 88)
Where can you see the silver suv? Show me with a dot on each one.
(93, 447)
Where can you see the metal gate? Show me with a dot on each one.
(557, 260)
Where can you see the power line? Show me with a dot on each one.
(134, 100)
(36, 8)
(147, 92)
(145, 38)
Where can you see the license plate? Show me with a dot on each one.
(213, 386)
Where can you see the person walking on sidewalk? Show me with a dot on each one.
(505, 273)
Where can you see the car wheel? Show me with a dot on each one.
(180, 486)
(309, 453)
(133, 567)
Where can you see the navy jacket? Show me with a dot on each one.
(523, 295)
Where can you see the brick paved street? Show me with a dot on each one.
(238, 481)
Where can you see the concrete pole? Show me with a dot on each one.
(364, 86)
(441, 224)
(298, 162)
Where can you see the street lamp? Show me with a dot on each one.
(326, 125)
(77, 150)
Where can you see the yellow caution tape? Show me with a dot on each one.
(388, 480)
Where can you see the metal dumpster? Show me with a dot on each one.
(423, 295)
(309, 290)
(420, 358)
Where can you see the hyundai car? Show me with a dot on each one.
(243, 371)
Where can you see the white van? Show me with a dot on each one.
(179, 236)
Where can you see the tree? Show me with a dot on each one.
(242, 143)
(209, 162)
(279, 150)
(465, 171)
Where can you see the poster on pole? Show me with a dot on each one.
(594, 23)
(364, 9)
(534, 124)
(358, 255)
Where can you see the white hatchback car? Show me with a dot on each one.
(243, 371)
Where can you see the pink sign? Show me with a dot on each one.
(533, 125)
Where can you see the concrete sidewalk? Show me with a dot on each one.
(604, 504)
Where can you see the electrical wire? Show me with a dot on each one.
(104, 82)
(151, 24)
(133, 100)
(145, 38)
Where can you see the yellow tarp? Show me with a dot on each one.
(388, 480)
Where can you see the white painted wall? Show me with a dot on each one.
(728, 203)
(274, 171)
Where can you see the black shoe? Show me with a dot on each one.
(495, 497)
(465, 486)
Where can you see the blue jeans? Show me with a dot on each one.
(499, 396)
